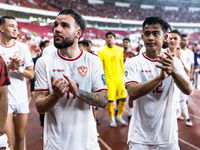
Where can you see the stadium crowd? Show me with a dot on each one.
(125, 51)
(111, 11)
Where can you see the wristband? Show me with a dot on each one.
(21, 70)
(3, 141)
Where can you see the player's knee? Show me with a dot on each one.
(19, 138)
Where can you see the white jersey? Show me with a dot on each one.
(49, 49)
(17, 91)
(70, 124)
(154, 117)
(187, 57)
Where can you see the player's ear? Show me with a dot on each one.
(142, 36)
(79, 33)
(166, 36)
(1, 28)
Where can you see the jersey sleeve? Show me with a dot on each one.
(180, 68)
(131, 74)
(28, 59)
(41, 80)
(192, 58)
(98, 81)
(101, 57)
(122, 62)
(4, 77)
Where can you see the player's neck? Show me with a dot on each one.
(183, 47)
(126, 50)
(70, 52)
(7, 42)
(172, 50)
(110, 45)
(152, 54)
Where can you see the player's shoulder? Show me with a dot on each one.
(134, 59)
(103, 49)
(91, 57)
(18, 43)
(116, 46)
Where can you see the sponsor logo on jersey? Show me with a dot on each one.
(17, 54)
(126, 73)
(103, 79)
(147, 71)
(83, 70)
(58, 70)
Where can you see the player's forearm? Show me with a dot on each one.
(45, 103)
(137, 90)
(28, 73)
(99, 99)
(182, 83)
(3, 108)
(3, 116)
(192, 70)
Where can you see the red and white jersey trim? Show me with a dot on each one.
(131, 82)
(41, 90)
(67, 59)
(101, 90)
(8, 46)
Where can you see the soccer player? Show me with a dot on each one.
(128, 54)
(174, 41)
(69, 82)
(150, 79)
(196, 64)
(20, 66)
(4, 82)
(83, 45)
(112, 59)
(187, 58)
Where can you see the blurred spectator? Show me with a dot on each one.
(196, 64)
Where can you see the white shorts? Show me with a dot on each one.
(183, 97)
(136, 146)
(4, 142)
(21, 108)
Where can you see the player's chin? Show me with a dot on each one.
(14, 37)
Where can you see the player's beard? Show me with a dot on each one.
(67, 42)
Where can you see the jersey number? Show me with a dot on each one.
(156, 90)
(68, 93)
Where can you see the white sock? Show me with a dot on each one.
(130, 111)
(112, 119)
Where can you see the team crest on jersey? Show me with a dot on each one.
(17, 54)
(83, 71)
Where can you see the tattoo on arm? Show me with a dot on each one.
(99, 99)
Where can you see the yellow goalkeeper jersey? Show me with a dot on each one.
(112, 60)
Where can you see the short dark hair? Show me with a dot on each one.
(3, 19)
(43, 43)
(110, 33)
(156, 20)
(84, 42)
(126, 39)
(89, 41)
(183, 35)
(175, 31)
(77, 17)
